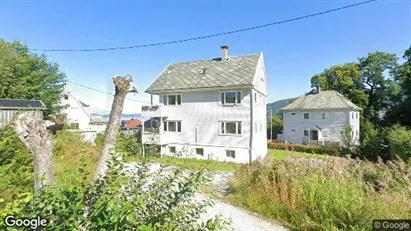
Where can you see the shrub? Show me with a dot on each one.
(16, 166)
(329, 194)
(304, 148)
(128, 145)
(70, 150)
(144, 201)
(399, 141)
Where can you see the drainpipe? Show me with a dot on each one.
(251, 126)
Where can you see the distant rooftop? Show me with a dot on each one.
(321, 100)
(21, 104)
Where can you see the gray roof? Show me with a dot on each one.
(237, 71)
(21, 103)
(322, 100)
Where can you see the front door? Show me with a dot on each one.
(314, 134)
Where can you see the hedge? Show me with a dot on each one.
(304, 148)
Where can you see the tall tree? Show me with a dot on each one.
(370, 83)
(26, 75)
(401, 110)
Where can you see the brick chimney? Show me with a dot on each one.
(224, 53)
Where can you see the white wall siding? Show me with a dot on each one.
(210, 152)
(6, 116)
(202, 111)
(335, 123)
(76, 113)
(260, 78)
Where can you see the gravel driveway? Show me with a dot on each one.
(241, 220)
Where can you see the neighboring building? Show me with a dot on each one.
(9, 107)
(319, 117)
(79, 117)
(131, 127)
(210, 108)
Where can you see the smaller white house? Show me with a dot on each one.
(10, 107)
(320, 117)
(79, 117)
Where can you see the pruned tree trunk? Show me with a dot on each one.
(122, 86)
(36, 136)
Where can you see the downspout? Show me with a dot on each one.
(251, 126)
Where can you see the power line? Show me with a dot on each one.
(104, 92)
(209, 36)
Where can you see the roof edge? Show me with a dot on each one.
(155, 79)
(233, 87)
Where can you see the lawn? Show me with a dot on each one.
(189, 163)
(282, 154)
(211, 165)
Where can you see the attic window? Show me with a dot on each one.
(65, 96)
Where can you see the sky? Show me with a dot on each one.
(293, 52)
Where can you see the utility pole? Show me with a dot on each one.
(271, 123)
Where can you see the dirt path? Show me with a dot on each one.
(241, 220)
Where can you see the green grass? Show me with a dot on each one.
(212, 165)
(282, 154)
(334, 194)
(189, 163)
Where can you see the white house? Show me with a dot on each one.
(320, 117)
(212, 108)
(79, 117)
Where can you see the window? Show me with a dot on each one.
(324, 115)
(356, 115)
(306, 115)
(200, 151)
(352, 115)
(172, 149)
(357, 133)
(325, 133)
(172, 99)
(230, 153)
(292, 113)
(65, 96)
(292, 129)
(255, 98)
(230, 97)
(306, 133)
(75, 125)
(172, 126)
(230, 128)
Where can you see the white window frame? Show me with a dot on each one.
(324, 115)
(202, 151)
(170, 147)
(293, 113)
(166, 126)
(165, 102)
(325, 133)
(238, 101)
(308, 115)
(230, 154)
(223, 131)
(308, 133)
(357, 115)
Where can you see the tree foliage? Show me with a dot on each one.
(274, 126)
(26, 75)
(381, 86)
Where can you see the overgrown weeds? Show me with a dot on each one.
(328, 194)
